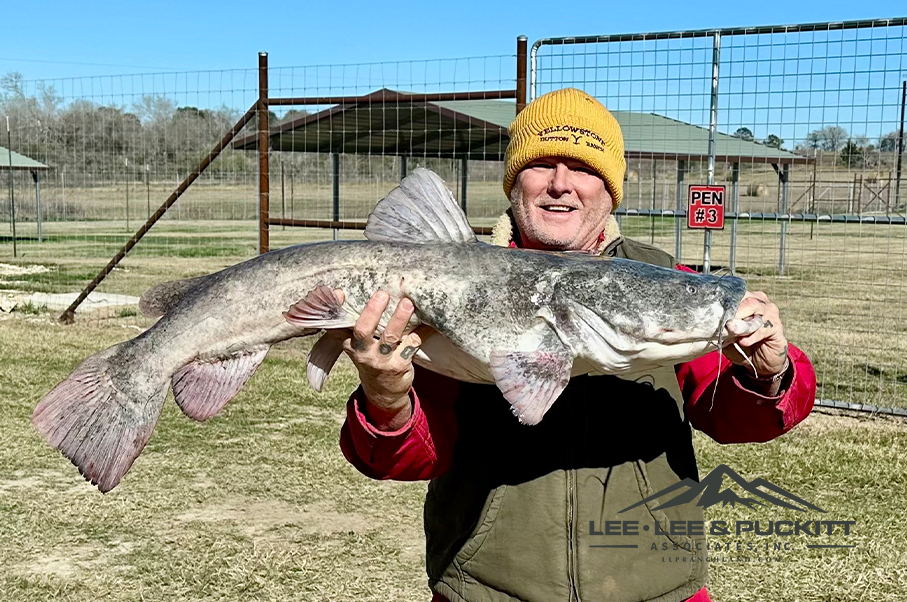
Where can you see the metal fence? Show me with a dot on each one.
(96, 158)
(802, 123)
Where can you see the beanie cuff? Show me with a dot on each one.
(572, 124)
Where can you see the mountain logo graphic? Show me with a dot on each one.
(712, 493)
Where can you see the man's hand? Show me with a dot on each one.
(767, 347)
(384, 363)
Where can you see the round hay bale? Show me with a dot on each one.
(756, 190)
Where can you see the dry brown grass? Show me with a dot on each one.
(258, 503)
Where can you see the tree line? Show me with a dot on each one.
(851, 151)
(154, 138)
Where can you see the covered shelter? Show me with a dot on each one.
(385, 122)
(13, 161)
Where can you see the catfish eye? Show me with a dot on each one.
(691, 289)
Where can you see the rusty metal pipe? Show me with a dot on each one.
(402, 98)
(264, 173)
(345, 225)
(520, 73)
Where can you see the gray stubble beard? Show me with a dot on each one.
(529, 231)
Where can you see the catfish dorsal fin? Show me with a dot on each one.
(420, 210)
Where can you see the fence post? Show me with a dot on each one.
(335, 190)
(263, 148)
(678, 225)
(897, 192)
(37, 179)
(735, 207)
(713, 128)
(520, 73)
(283, 190)
(654, 186)
(126, 182)
(812, 194)
(785, 179)
(12, 198)
(464, 177)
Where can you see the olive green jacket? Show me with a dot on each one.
(520, 511)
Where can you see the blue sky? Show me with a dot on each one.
(772, 86)
(130, 37)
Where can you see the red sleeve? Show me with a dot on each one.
(421, 449)
(731, 413)
(738, 415)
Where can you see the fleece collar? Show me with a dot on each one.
(502, 234)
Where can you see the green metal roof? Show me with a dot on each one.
(477, 129)
(498, 112)
(19, 162)
(380, 124)
(650, 135)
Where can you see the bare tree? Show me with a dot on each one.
(830, 138)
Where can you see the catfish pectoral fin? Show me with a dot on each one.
(320, 309)
(531, 381)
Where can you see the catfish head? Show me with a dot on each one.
(627, 312)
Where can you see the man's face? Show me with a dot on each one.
(560, 204)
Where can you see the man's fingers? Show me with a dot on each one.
(771, 326)
(395, 327)
(750, 306)
(410, 346)
(364, 330)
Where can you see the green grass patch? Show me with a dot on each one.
(29, 308)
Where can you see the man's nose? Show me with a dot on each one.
(560, 182)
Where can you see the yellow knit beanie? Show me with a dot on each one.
(568, 123)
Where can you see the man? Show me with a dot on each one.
(516, 512)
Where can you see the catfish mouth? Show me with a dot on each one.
(705, 326)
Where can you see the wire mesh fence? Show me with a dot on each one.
(806, 134)
(802, 123)
(96, 157)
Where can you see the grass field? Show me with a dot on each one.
(842, 293)
(259, 504)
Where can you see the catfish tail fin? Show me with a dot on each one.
(103, 414)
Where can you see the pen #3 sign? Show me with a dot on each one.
(705, 207)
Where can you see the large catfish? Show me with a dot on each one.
(525, 320)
